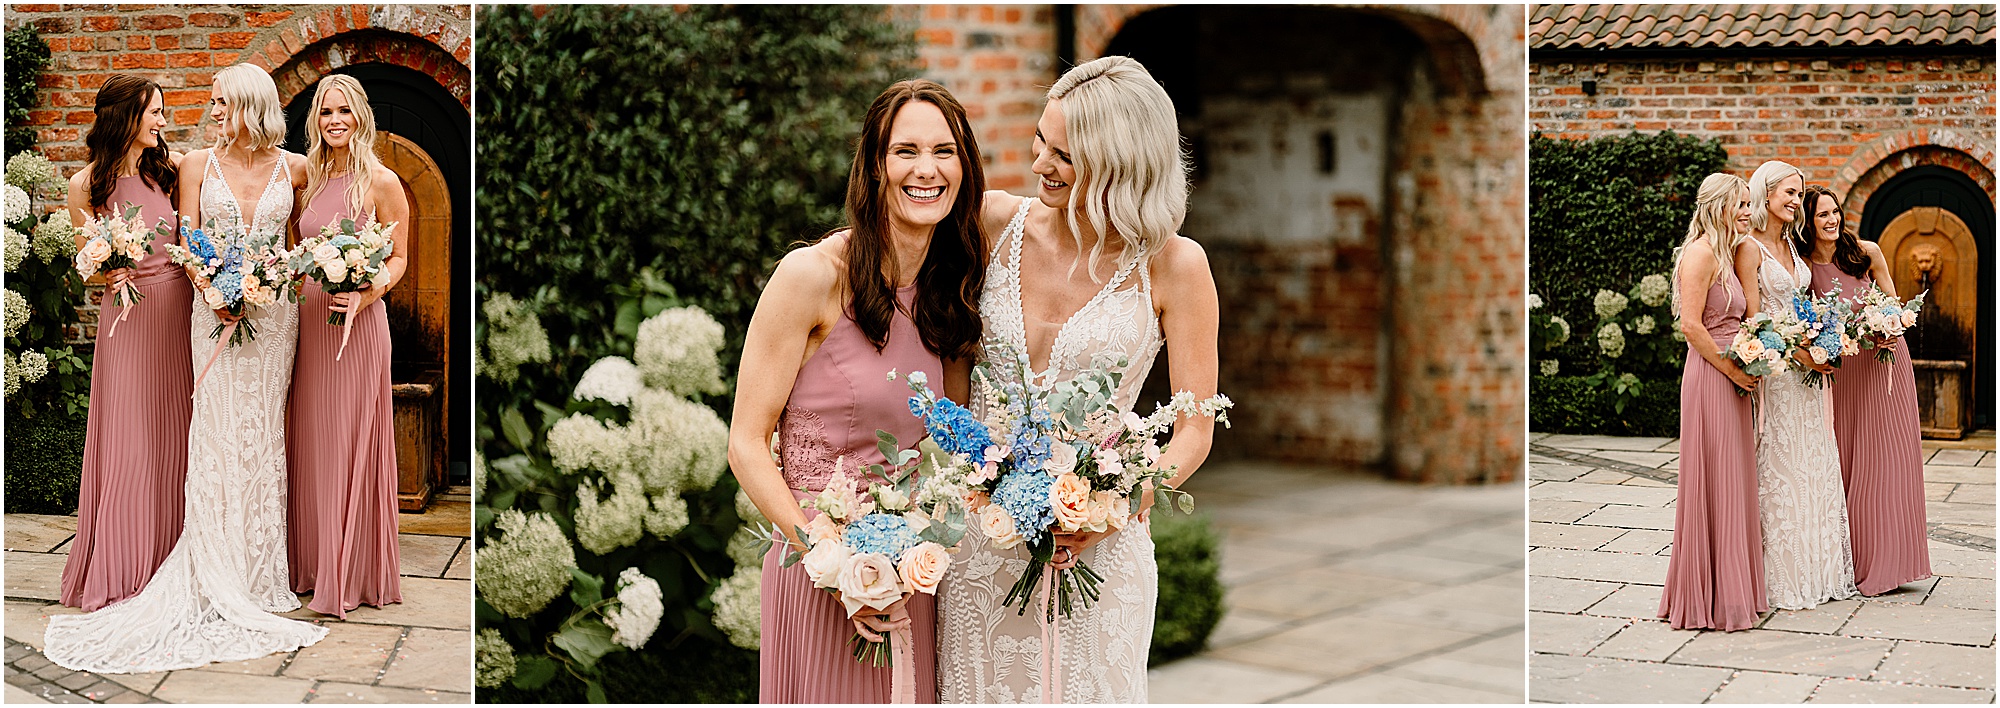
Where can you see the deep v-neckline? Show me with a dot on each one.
(1020, 296)
(1792, 269)
(249, 222)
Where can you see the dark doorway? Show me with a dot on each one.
(1953, 191)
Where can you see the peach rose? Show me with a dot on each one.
(1070, 496)
(96, 250)
(825, 562)
(923, 567)
(212, 297)
(821, 529)
(998, 527)
(868, 580)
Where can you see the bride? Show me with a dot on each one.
(1799, 492)
(211, 599)
(1097, 237)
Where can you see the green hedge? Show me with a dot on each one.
(1606, 212)
(1190, 590)
(691, 147)
(1568, 404)
(27, 55)
(44, 463)
(690, 672)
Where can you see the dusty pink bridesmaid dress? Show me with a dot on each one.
(128, 513)
(1715, 579)
(841, 397)
(1881, 458)
(340, 442)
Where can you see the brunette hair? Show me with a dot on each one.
(946, 310)
(121, 104)
(1847, 253)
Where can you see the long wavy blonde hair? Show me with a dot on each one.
(1713, 223)
(1765, 179)
(1131, 174)
(253, 105)
(361, 160)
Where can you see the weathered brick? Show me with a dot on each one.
(212, 19)
(139, 60)
(155, 23)
(265, 19)
(230, 40)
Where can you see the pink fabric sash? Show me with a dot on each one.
(1051, 641)
(220, 342)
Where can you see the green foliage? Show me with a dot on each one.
(53, 291)
(693, 143)
(44, 463)
(27, 56)
(1606, 212)
(1647, 345)
(1571, 404)
(688, 672)
(1190, 592)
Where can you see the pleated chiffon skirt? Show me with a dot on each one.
(806, 657)
(1715, 579)
(1882, 467)
(341, 445)
(135, 456)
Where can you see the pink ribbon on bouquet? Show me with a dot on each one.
(903, 663)
(220, 342)
(126, 292)
(1051, 643)
(346, 328)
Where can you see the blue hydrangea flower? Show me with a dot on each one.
(1829, 339)
(952, 427)
(1771, 340)
(887, 534)
(231, 284)
(1025, 496)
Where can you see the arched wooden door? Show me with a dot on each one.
(420, 324)
(1931, 250)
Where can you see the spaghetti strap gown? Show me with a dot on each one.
(1881, 457)
(128, 511)
(1715, 579)
(841, 397)
(341, 443)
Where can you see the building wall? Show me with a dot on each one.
(997, 60)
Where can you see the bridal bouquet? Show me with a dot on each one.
(1825, 336)
(113, 242)
(233, 274)
(1881, 318)
(1760, 345)
(1069, 460)
(345, 258)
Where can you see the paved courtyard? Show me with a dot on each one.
(1601, 513)
(418, 651)
(1344, 587)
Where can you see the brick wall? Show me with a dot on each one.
(998, 60)
(1817, 111)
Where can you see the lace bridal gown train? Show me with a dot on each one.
(1800, 498)
(986, 652)
(212, 598)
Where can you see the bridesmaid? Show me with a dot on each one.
(339, 434)
(1874, 413)
(135, 448)
(893, 291)
(1715, 579)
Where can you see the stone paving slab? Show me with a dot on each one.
(1597, 558)
(1346, 587)
(419, 651)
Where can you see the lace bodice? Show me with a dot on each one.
(1776, 283)
(1117, 323)
(274, 205)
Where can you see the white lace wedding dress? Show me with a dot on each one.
(212, 599)
(1807, 559)
(986, 652)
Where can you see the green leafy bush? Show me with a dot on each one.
(44, 463)
(43, 291)
(1190, 590)
(1605, 213)
(27, 56)
(1571, 404)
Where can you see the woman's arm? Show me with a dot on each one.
(385, 196)
(1878, 267)
(788, 313)
(1698, 267)
(78, 201)
(295, 168)
(1748, 257)
(189, 200)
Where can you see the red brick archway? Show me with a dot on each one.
(300, 48)
(1879, 160)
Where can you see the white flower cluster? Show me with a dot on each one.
(16, 205)
(617, 522)
(15, 249)
(1653, 290)
(1550, 367)
(55, 239)
(1611, 339)
(514, 336)
(1609, 304)
(34, 365)
(613, 379)
(737, 612)
(494, 658)
(30, 170)
(638, 611)
(676, 350)
(747, 510)
(1644, 325)
(478, 471)
(1562, 327)
(746, 546)
(1534, 301)
(521, 571)
(1628, 380)
(17, 312)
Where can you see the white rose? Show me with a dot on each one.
(84, 267)
(335, 272)
(381, 279)
(326, 252)
(868, 580)
(1062, 459)
(824, 563)
(998, 527)
(212, 297)
(923, 566)
(1116, 509)
(832, 502)
(890, 498)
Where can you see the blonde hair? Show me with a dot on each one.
(1713, 223)
(361, 160)
(1131, 175)
(253, 104)
(1765, 179)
